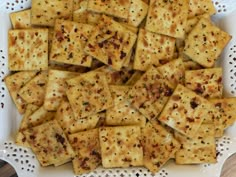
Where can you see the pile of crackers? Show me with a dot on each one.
(118, 83)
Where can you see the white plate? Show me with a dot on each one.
(24, 161)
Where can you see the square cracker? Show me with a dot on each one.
(199, 7)
(173, 71)
(117, 8)
(199, 149)
(150, 93)
(89, 94)
(57, 151)
(34, 91)
(205, 43)
(110, 42)
(28, 49)
(87, 149)
(151, 49)
(20, 137)
(56, 88)
(44, 13)
(70, 124)
(158, 146)
(69, 41)
(121, 146)
(205, 82)
(185, 111)
(226, 106)
(168, 17)
(21, 19)
(123, 113)
(14, 83)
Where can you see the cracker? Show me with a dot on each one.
(56, 88)
(39, 116)
(150, 93)
(151, 49)
(226, 106)
(185, 111)
(33, 92)
(57, 151)
(158, 147)
(44, 13)
(110, 43)
(115, 8)
(28, 49)
(69, 41)
(199, 7)
(87, 148)
(115, 77)
(21, 19)
(123, 113)
(121, 146)
(205, 82)
(89, 94)
(199, 149)
(168, 17)
(14, 83)
(20, 138)
(205, 43)
(173, 71)
(71, 124)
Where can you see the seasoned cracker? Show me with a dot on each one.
(168, 17)
(158, 146)
(110, 43)
(57, 151)
(44, 13)
(121, 146)
(56, 88)
(89, 94)
(28, 49)
(185, 111)
(150, 93)
(87, 149)
(134, 78)
(205, 43)
(69, 41)
(14, 83)
(205, 82)
(199, 149)
(21, 19)
(33, 92)
(151, 49)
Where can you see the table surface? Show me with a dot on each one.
(229, 168)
